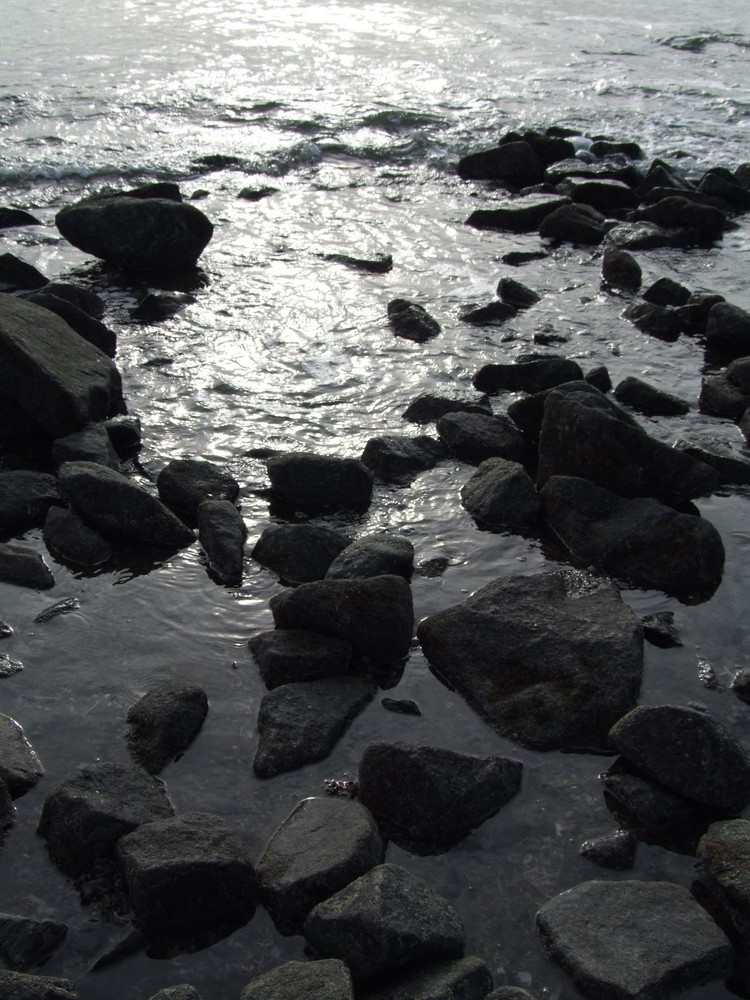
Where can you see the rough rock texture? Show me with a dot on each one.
(730, 464)
(186, 483)
(69, 540)
(523, 215)
(426, 798)
(222, 533)
(84, 817)
(500, 496)
(425, 409)
(181, 992)
(301, 723)
(728, 330)
(20, 986)
(373, 555)
(647, 399)
(24, 567)
(17, 274)
(325, 979)
(516, 294)
(664, 939)
(687, 751)
(515, 163)
(457, 979)
(724, 853)
(620, 269)
(398, 459)
(658, 321)
(92, 444)
(86, 326)
(383, 920)
(721, 398)
(552, 680)
(86, 300)
(25, 499)
(164, 722)
(26, 943)
(322, 846)
(530, 375)
(474, 437)
(288, 655)
(412, 321)
(299, 553)
(579, 224)
(20, 768)
(667, 292)
(494, 313)
(616, 851)
(309, 480)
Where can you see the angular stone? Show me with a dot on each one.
(288, 655)
(164, 722)
(20, 768)
(16, 274)
(308, 480)
(411, 321)
(515, 163)
(608, 196)
(427, 408)
(493, 314)
(222, 533)
(527, 375)
(26, 943)
(705, 222)
(516, 294)
(728, 330)
(721, 398)
(500, 496)
(24, 568)
(373, 555)
(21, 986)
(86, 300)
(399, 459)
(299, 553)
(325, 979)
(730, 464)
(616, 852)
(724, 853)
(457, 979)
(658, 321)
(523, 215)
(69, 540)
(649, 400)
(181, 992)
(25, 499)
(474, 437)
(694, 314)
(186, 483)
(578, 224)
(93, 331)
(659, 629)
(738, 373)
(667, 292)
(91, 444)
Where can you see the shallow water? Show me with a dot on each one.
(357, 113)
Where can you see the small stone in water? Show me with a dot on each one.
(341, 786)
(55, 610)
(707, 674)
(616, 852)
(9, 667)
(402, 705)
(659, 630)
(433, 567)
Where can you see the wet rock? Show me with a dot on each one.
(616, 851)
(24, 568)
(513, 163)
(547, 681)
(658, 321)
(721, 398)
(516, 294)
(21, 986)
(26, 943)
(9, 666)
(11, 217)
(522, 215)
(16, 274)
(181, 992)
(84, 817)
(724, 853)
(606, 147)
(599, 378)
(119, 509)
(382, 921)
(322, 846)
(380, 263)
(705, 222)
(222, 533)
(288, 655)
(188, 872)
(665, 940)
(474, 437)
(457, 979)
(738, 373)
(20, 768)
(573, 223)
(659, 629)
(500, 496)
(694, 314)
(186, 483)
(374, 614)
(741, 685)
(744, 425)
(640, 540)
(164, 722)
(728, 330)
(7, 811)
(575, 167)
(69, 540)
(157, 189)
(125, 435)
(636, 236)
(398, 459)
(85, 300)
(139, 234)
(532, 374)
(493, 314)
(301, 723)
(25, 499)
(649, 400)
(517, 258)
(373, 555)
(411, 321)
(91, 444)
(86, 326)
(402, 706)
(509, 993)
(730, 464)
(319, 481)
(59, 381)
(426, 799)
(667, 292)
(64, 607)
(327, 979)
(427, 408)
(299, 553)
(611, 197)
(620, 269)
(688, 752)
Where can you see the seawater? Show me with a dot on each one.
(357, 114)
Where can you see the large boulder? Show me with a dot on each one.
(649, 400)
(26, 942)
(308, 480)
(513, 163)
(528, 374)
(325, 979)
(522, 215)
(579, 224)
(399, 459)
(500, 496)
(137, 234)
(24, 568)
(550, 680)
(299, 553)
(728, 330)
(20, 768)
(164, 722)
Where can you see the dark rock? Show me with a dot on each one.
(659, 629)
(612, 170)
(527, 375)
(738, 373)
(516, 258)
(119, 509)
(155, 307)
(457, 979)
(373, 555)
(742, 175)
(185, 483)
(604, 147)
(516, 294)
(20, 768)
(398, 459)
(620, 269)
(56, 610)
(25, 499)
(5, 630)
(26, 943)
(157, 189)
(16, 274)
(500, 496)
(299, 553)
(647, 399)
(21, 986)
(164, 722)
(599, 378)
(382, 921)
(474, 437)
(662, 175)
(731, 466)
(665, 940)
(309, 480)
(288, 655)
(493, 314)
(7, 811)
(513, 163)
(402, 706)
(547, 681)
(707, 223)
(658, 321)
(574, 224)
(724, 853)
(181, 992)
(86, 300)
(616, 851)
(666, 292)
(125, 435)
(549, 148)
(509, 993)
(411, 321)
(301, 723)
(744, 425)
(139, 234)
(694, 314)
(523, 215)
(380, 263)
(325, 979)
(322, 846)
(92, 330)
(91, 444)
(610, 197)
(733, 194)
(426, 799)
(24, 568)
(11, 217)
(255, 193)
(8, 667)
(636, 236)
(374, 614)
(640, 540)
(69, 540)
(688, 752)
(222, 533)
(427, 408)
(741, 685)
(721, 398)
(728, 330)
(84, 817)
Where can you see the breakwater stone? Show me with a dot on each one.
(326, 979)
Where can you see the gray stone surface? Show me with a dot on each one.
(181, 992)
(25, 499)
(412, 321)
(222, 533)
(724, 853)
(319, 481)
(620, 269)
(186, 483)
(728, 330)
(90, 444)
(616, 851)
(20, 768)
(164, 722)
(427, 408)
(24, 568)
(373, 555)
(85, 325)
(528, 374)
(474, 437)
(20, 986)
(69, 540)
(398, 459)
(457, 979)
(649, 400)
(633, 940)
(288, 655)
(501, 496)
(326, 979)
(509, 993)
(299, 553)
(26, 942)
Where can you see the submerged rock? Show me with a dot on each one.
(164, 722)
(327, 979)
(659, 629)
(288, 655)
(531, 374)
(20, 768)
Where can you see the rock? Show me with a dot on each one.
(181, 992)
(728, 330)
(500, 496)
(222, 533)
(620, 269)
(665, 940)
(575, 167)
(91, 444)
(516, 294)
(706, 224)
(61, 382)
(688, 752)
(659, 630)
(84, 817)
(455, 979)
(641, 540)
(398, 459)
(738, 373)
(10, 217)
(635, 236)
(599, 378)
(373, 555)
(139, 234)
(741, 685)
(8, 667)
(301, 723)
(374, 614)
(493, 314)
(288, 655)
(724, 853)
(616, 852)
(125, 435)
(411, 321)
(154, 308)
(7, 811)
(92, 330)
(573, 223)
(658, 321)
(69, 540)
(522, 215)
(85, 300)
(474, 437)
(744, 425)
(382, 921)
(56, 610)
(557, 680)
(319, 481)
(426, 799)
(186, 483)
(380, 263)
(402, 706)
(164, 722)
(694, 314)
(516, 258)
(119, 509)
(325, 979)
(513, 163)
(667, 292)
(647, 399)
(604, 147)
(608, 196)
(16, 274)
(20, 986)
(188, 872)
(158, 189)
(730, 465)
(322, 846)
(509, 993)
(26, 943)
(721, 398)
(24, 568)
(20, 768)
(723, 186)
(426, 409)
(25, 499)
(527, 375)
(299, 553)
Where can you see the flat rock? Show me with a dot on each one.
(222, 533)
(325, 979)
(288, 655)
(633, 940)
(612, 197)
(24, 568)
(454, 979)
(373, 555)
(181, 992)
(427, 408)
(26, 943)
(69, 540)
(164, 722)
(324, 481)
(738, 373)
(322, 846)
(724, 853)
(522, 215)
(90, 444)
(514, 163)
(578, 224)
(556, 680)
(299, 553)
(25, 499)
(649, 400)
(501, 496)
(20, 768)
(398, 459)
(21, 986)
(411, 321)
(475, 437)
(186, 483)
(531, 375)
